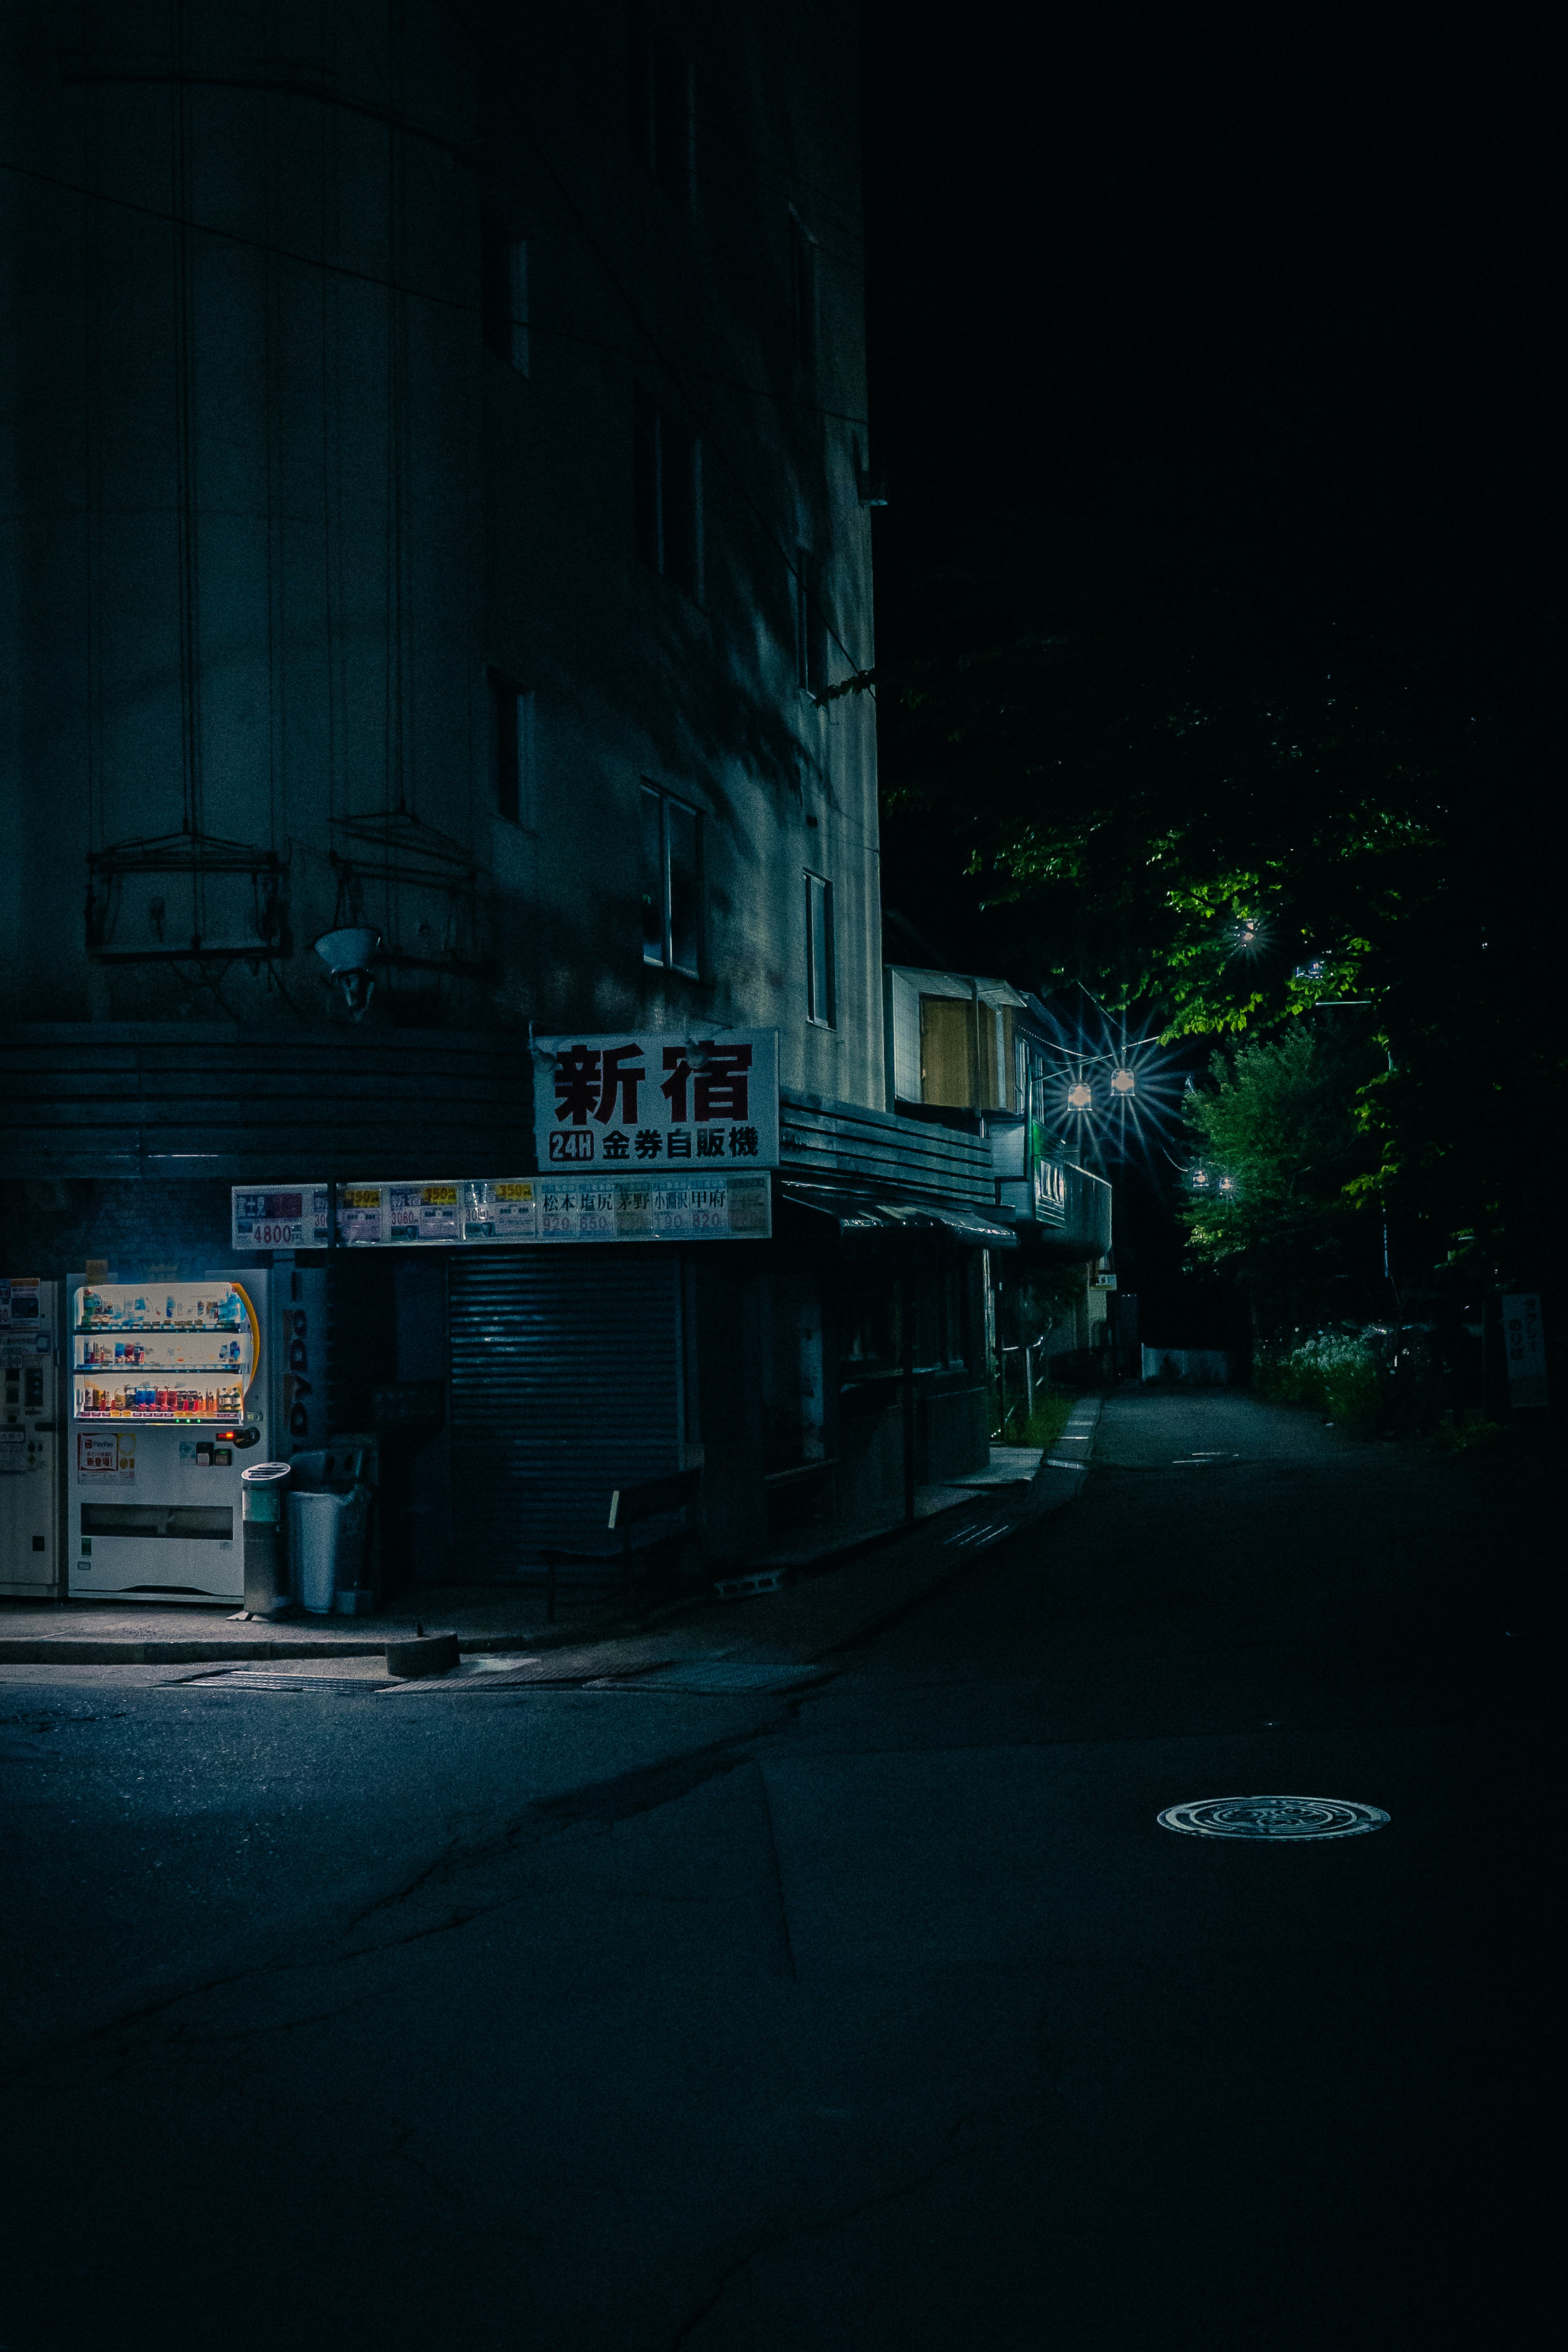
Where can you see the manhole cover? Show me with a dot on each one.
(1272, 1817)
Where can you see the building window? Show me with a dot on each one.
(667, 489)
(662, 98)
(819, 951)
(512, 749)
(810, 625)
(804, 294)
(503, 294)
(671, 883)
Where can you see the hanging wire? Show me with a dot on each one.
(423, 293)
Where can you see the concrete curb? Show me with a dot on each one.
(1052, 1488)
(1059, 1492)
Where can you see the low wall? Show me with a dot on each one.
(1192, 1368)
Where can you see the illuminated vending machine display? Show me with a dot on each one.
(29, 1436)
(167, 1406)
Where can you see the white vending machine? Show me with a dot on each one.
(168, 1404)
(29, 1439)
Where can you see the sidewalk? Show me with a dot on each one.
(845, 1581)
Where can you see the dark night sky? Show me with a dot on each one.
(1314, 280)
(1292, 288)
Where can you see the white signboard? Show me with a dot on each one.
(286, 1217)
(653, 1102)
(1525, 1342)
(18, 1302)
(666, 1204)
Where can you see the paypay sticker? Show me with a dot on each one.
(105, 1457)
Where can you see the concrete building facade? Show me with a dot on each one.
(436, 482)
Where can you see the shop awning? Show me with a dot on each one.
(853, 1214)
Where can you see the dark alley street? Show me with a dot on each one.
(881, 2013)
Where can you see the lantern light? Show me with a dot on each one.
(1123, 1083)
(1078, 1096)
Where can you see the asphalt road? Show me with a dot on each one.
(883, 2014)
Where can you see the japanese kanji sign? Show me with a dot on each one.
(654, 1103)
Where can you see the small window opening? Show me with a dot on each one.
(512, 749)
(666, 495)
(810, 625)
(662, 110)
(671, 883)
(819, 951)
(503, 294)
(804, 294)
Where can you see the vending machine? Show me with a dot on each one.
(29, 1439)
(169, 1397)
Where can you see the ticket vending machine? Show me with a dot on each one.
(29, 1439)
(168, 1404)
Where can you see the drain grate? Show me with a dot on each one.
(1272, 1817)
(987, 1532)
(240, 1678)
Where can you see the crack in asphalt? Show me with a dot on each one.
(623, 1797)
(790, 1968)
(620, 1798)
(772, 2239)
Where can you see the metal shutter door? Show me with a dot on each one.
(566, 1382)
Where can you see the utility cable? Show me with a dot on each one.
(423, 294)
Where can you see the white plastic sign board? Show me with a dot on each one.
(1524, 1341)
(656, 1103)
(480, 1212)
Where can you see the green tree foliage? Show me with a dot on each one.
(1277, 1145)
(1243, 795)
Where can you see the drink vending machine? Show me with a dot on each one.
(169, 1396)
(29, 1436)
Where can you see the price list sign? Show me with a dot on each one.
(477, 1213)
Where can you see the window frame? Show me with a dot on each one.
(667, 518)
(806, 296)
(821, 997)
(810, 625)
(503, 294)
(513, 725)
(661, 107)
(665, 884)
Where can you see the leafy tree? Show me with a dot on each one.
(1277, 1146)
(1243, 795)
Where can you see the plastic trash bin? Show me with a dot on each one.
(326, 1544)
(261, 1491)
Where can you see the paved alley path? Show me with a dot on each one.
(882, 2014)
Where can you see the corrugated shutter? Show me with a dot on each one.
(566, 1382)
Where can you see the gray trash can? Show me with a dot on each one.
(261, 1491)
(326, 1545)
